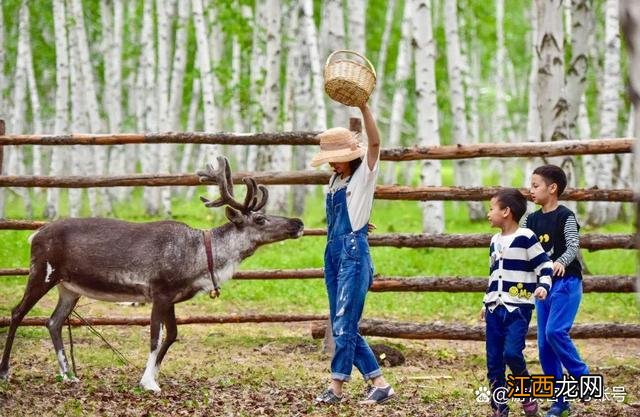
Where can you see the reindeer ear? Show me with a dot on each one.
(234, 216)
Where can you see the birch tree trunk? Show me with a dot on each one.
(501, 126)
(113, 99)
(582, 26)
(603, 176)
(34, 100)
(552, 104)
(533, 115)
(274, 157)
(206, 76)
(299, 85)
(333, 38)
(257, 74)
(356, 25)
(101, 202)
(186, 162)
(18, 125)
(236, 116)
(426, 108)
(162, 82)
(62, 102)
(466, 173)
(317, 84)
(3, 82)
(381, 62)
(403, 64)
(149, 153)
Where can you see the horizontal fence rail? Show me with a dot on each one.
(382, 192)
(368, 327)
(145, 321)
(483, 150)
(403, 330)
(383, 283)
(589, 241)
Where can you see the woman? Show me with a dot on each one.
(347, 263)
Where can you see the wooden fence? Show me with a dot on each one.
(589, 241)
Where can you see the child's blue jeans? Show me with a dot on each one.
(555, 318)
(506, 333)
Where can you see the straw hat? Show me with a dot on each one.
(338, 145)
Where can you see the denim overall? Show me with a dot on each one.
(348, 273)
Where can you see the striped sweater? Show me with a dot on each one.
(518, 265)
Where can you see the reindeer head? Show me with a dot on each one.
(247, 217)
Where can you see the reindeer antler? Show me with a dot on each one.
(255, 199)
(222, 177)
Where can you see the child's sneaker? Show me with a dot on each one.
(530, 408)
(328, 397)
(377, 395)
(559, 410)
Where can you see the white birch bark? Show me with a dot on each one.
(162, 83)
(465, 174)
(238, 152)
(356, 25)
(149, 153)
(500, 127)
(274, 157)
(533, 115)
(381, 62)
(3, 82)
(62, 102)
(113, 43)
(403, 63)
(603, 178)
(427, 109)
(179, 64)
(300, 99)
(206, 77)
(18, 114)
(81, 161)
(216, 45)
(186, 161)
(99, 199)
(582, 26)
(317, 85)
(34, 100)
(333, 38)
(257, 64)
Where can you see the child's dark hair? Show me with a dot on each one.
(553, 174)
(512, 198)
(354, 164)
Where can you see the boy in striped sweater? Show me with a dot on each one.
(520, 271)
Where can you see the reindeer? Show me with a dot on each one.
(162, 262)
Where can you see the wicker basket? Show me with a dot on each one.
(349, 82)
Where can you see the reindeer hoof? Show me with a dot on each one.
(150, 386)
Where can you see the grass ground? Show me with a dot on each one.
(276, 369)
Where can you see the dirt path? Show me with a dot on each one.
(272, 370)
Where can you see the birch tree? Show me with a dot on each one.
(403, 64)
(3, 82)
(382, 57)
(603, 176)
(466, 173)
(501, 129)
(273, 157)
(18, 122)
(552, 105)
(426, 108)
(332, 36)
(533, 115)
(62, 102)
(356, 25)
(162, 82)
(206, 75)
(317, 83)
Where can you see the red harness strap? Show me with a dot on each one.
(207, 248)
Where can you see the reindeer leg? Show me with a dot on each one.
(67, 300)
(37, 287)
(159, 311)
(171, 336)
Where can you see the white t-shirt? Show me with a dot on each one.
(359, 193)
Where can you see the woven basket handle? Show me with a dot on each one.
(346, 51)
